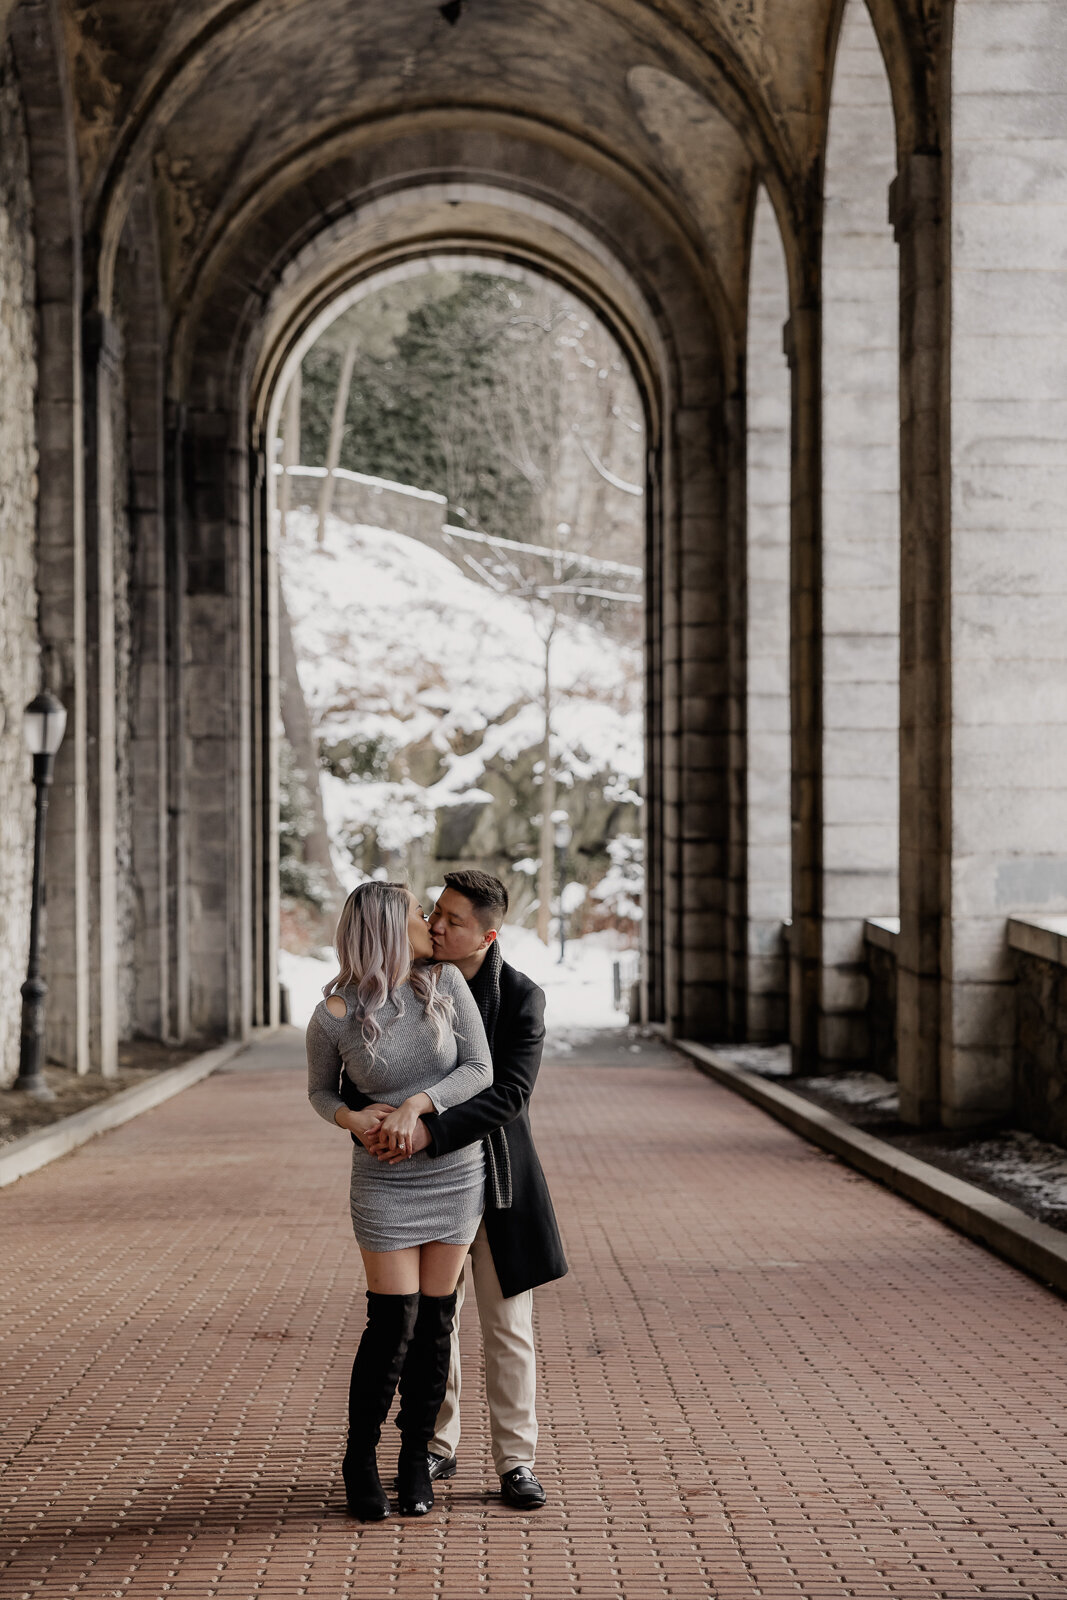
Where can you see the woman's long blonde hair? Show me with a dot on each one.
(375, 957)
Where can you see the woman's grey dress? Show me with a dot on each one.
(422, 1199)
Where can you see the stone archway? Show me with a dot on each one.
(646, 301)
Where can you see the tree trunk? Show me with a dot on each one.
(290, 447)
(301, 736)
(337, 433)
(546, 876)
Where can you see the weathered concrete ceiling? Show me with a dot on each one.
(211, 100)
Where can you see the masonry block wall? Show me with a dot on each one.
(19, 653)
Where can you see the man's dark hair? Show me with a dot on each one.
(486, 894)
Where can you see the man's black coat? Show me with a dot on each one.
(524, 1238)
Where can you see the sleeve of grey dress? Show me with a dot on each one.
(324, 1065)
(473, 1070)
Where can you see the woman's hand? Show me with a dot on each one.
(365, 1124)
(397, 1131)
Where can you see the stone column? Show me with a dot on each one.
(860, 534)
(102, 354)
(148, 712)
(802, 341)
(177, 469)
(217, 727)
(653, 986)
(767, 695)
(696, 710)
(1008, 552)
(925, 675)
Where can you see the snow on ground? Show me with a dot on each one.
(304, 977)
(394, 643)
(578, 992)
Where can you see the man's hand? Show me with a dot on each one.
(419, 1140)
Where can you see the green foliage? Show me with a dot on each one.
(416, 414)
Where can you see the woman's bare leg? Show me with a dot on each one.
(392, 1271)
(440, 1266)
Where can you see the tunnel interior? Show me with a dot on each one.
(799, 222)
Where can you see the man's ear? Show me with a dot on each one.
(490, 936)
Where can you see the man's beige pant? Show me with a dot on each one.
(510, 1367)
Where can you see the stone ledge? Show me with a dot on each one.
(1045, 937)
(882, 931)
(1033, 1246)
(23, 1156)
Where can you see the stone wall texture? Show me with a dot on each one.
(18, 593)
(125, 890)
(1040, 1088)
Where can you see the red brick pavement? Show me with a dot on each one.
(764, 1375)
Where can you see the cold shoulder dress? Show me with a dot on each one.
(419, 1200)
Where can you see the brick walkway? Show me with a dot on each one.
(763, 1377)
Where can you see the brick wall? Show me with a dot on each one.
(18, 595)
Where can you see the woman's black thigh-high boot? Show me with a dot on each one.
(422, 1391)
(375, 1372)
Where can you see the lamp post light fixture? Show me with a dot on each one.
(45, 721)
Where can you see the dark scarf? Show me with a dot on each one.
(485, 987)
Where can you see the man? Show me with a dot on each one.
(518, 1245)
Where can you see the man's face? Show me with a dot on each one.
(455, 928)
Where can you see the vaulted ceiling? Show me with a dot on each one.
(215, 107)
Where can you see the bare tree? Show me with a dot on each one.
(337, 431)
(290, 446)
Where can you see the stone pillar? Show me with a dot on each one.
(102, 354)
(860, 534)
(653, 956)
(802, 347)
(148, 711)
(265, 721)
(925, 664)
(61, 574)
(177, 471)
(767, 694)
(217, 727)
(696, 710)
(1008, 553)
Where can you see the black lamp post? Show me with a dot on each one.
(44, 726)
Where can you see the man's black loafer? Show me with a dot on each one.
(440, 1467)
(519, 1488)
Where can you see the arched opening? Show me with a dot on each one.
(860, 536)
(768, 763)
(646, 298)
(472, 658)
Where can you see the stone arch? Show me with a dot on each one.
(860, 534)
(602, 246)
(767, 765)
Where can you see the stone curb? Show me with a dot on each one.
(1033, 1246)
(35, 1150)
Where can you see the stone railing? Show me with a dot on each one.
(1040, 947)
(881, 935)
(376, 502)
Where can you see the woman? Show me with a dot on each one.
(409, 1035)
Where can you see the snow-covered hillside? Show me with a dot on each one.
(400, 652)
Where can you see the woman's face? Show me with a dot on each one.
(418, 932)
